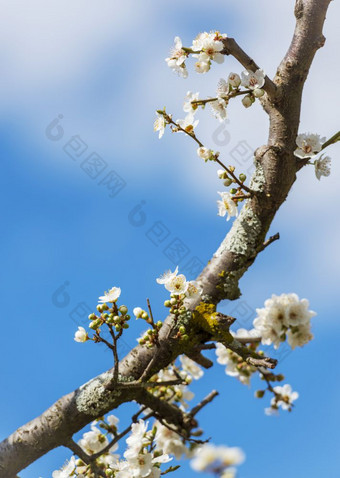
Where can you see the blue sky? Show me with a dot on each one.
(102, 69)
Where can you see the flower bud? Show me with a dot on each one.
(100, 308)
(247, 101)
(95, 324)
(123, 309)
(222, 174)
(92, 316)
(258, 92)
(167, 303)
(159, 324)
(242, 177)
(259, 393)
(233, 191)
(182, 329)
(138, 312)
(234, 80)
(228, 182)
(105, 307)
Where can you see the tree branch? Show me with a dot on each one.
(273, 178)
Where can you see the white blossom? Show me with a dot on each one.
(138, 311)
(159, 125)
(219, 109)
(93, 441)
(112, 420)
(284, 398)
(67, 470)
(169, 442)
(177, 285)
(222, 88)
(167, 276)
(284, 315)
(204, 153)
(194, 291)
(299, 336)
(232, 361)
(80, 335)
(210, 46)
(177, 58)
(188, 123)
(111, 296)
(234, 80)
(322, 166)
(191, 367)
(308, 145)
(209, 456)
(222, 173)
(202, 66)
(188, 107)
(253, 80)
(226, 205)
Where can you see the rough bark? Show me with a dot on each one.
(273, 178)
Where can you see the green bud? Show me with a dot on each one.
(259, 393)
(116, 319)
(150, 332)
(125, 326)
(123, 309)
(182, 310)
(173, 301)
(127, 317)
(105, 316)
(280, 377)
(233, 191)
(100, 308)
(185, 337)
(110, 320)
(105, 307)
(94, 324)
(159, 324)
(144, 315)
(242, 177)
(118, 328)
(92, 316)
(228, 182)
(167, 303)
(182, 330)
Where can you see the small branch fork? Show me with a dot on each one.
(90, 459)
(232, 48)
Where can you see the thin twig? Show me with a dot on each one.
(88, 459)
(266, 243)
(209, 398)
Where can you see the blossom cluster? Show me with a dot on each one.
(284, 317)
(235, 365)
(180, 393)
(308, 146)
(219, 460)
(283, 397)
(177, 284)
(205, 48)
(111, 315)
